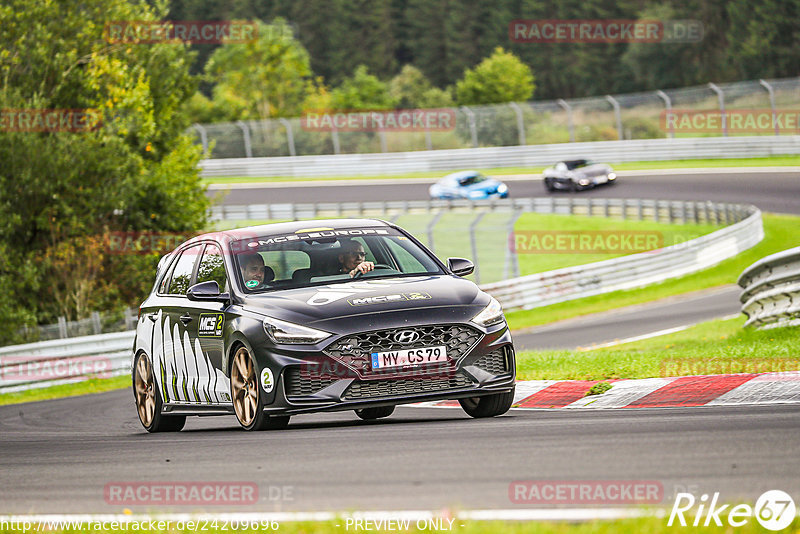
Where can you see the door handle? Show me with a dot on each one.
(186, 319)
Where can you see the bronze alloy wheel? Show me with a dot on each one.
(144, 388)
(148, 399)
(244, 387)
(246, 393)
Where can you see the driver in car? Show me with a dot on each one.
(252, 270)
(352, 258)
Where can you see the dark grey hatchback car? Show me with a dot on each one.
(269, 321)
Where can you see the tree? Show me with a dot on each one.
(410, 89)
(60, 190)
(502, 77)
(272, 73)
(361, 91)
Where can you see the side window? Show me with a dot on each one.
(182, 273)
(164, 285)
(212, 267)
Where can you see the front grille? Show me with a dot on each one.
(299, 383)
(354, 350)
(369, 389)
(495, 362)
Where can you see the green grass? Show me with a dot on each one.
(535, 256)
(643, 525)
(93, 385)
(772, 161)
(714, 347)
(780, 233)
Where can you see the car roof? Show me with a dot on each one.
(235, 234)
(461, 174)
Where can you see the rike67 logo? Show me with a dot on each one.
(774, 510)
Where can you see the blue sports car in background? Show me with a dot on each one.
(468, 184)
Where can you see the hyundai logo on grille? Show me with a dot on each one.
(406, 336)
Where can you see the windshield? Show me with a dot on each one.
(577, 164)
(325, 256)
(472, 179)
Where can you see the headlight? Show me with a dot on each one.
(612, 176)
(502, 188)
(286, 332)
(490, 315)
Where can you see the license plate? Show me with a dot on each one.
(409, 357)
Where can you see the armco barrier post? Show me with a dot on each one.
(474, 245)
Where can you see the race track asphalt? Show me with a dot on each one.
(772, 191)
(58, 456)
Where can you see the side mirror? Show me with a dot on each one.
(207, 291)
(460, 266)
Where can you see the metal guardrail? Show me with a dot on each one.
(505, 156)
(771, 295)
(61, 361)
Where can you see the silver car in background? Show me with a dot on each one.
(577, 175)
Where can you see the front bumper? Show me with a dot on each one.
(487, 366)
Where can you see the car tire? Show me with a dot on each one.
(248, 401)
(549, 185)
(488, 405)
(148, 399)
(369, 414)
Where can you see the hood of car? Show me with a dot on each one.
(312, 305)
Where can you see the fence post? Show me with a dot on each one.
(474, 245)
(721, 99)
(429, 229)
(62, 328)
(472, 129)
(382, 137)
(668, 108)
(520, 122)
(203, 138)
(248, 147)
(512, 261)
(96, 326)
(771, 92)
(335, 138)
(428, 140)
(563, 103)
(617, 115)
(289, 136)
